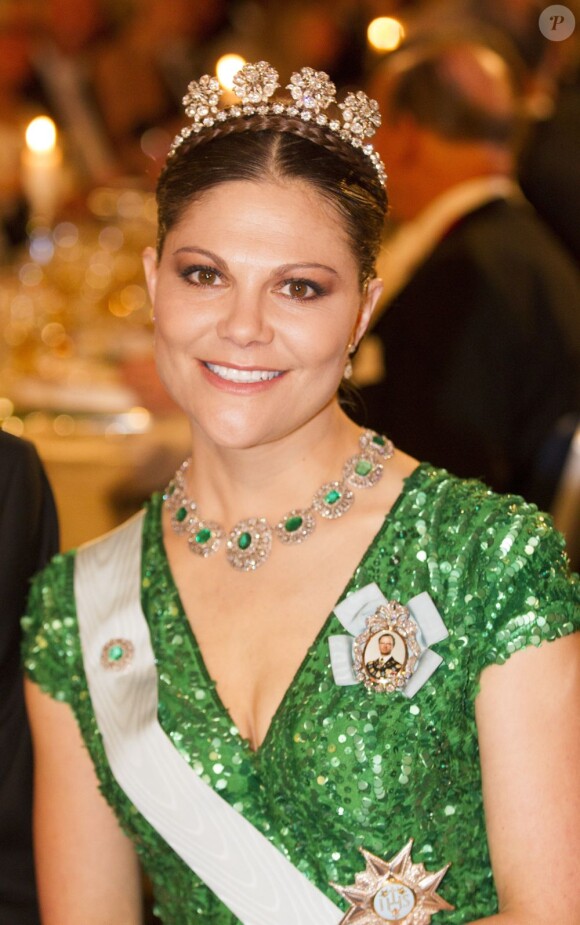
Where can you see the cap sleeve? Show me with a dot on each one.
(531, 595)
(51, 652)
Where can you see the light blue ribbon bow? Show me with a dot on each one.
(354, 612)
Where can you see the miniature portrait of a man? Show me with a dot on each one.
(386, 662)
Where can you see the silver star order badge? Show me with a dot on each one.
(393, 891)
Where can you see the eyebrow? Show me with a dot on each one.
(284, 269)
(200, 250)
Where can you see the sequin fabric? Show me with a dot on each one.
(342, 767)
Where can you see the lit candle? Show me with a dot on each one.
(226, 68)
(385, 33)
(42, 169)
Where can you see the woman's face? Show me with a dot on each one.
(256, 300)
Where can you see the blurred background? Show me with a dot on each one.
(90, 98)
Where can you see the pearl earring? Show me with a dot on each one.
(348, 365)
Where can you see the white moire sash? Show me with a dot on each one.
(250, 876)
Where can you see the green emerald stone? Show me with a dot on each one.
(332, 497)
(363, 467)
(203, 536)
(181, 514)
(245, 540)
(115, 653)
(380, 441)
(293, 524)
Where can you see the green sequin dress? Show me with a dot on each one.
(342, 767)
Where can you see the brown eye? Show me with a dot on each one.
(206, 277)
(301, 290)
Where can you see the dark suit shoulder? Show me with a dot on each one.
(16, 452)
(28, 524)
(506, 231)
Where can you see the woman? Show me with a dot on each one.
(263, 283)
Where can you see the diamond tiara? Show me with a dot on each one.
(312, 93)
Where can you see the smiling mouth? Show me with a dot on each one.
(242, 375)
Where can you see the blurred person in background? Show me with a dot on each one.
(547, 167)
(150, 57)
(549, 76)
(70, 40)
(28, 539)
(17, 108)
(474, 361)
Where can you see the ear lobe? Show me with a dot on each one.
(371, 298)
(150, 267)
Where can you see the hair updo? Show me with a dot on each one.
(276, 147)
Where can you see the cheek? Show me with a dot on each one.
(177, 322)
(323, 341)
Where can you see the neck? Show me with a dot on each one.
(232, 483)
(443, 169)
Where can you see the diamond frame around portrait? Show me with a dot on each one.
(396, 619)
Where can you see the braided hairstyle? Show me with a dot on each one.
(275, 147)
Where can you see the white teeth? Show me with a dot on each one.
(242, 375)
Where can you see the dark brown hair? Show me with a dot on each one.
(276, 147)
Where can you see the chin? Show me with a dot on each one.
(237, 431)
(233, 431)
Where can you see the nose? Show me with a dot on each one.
(245, 320)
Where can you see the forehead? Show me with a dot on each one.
(267, 213)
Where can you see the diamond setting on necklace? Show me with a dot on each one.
(249, 543)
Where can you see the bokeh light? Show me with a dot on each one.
(41, 135)
(226, 68)
(385, 33)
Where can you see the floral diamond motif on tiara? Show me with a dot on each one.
(311, 90)
(256, 83)
(361, 116)
(313, 97)
(202, 98)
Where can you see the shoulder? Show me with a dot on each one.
(489, 536)
(499, 558)
(127, 534)
(511, 232)
(493, 564)
(52, 587)
(50, 628)
(18, 456)
(57, 579)
(448, 494)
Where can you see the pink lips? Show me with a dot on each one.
(240, 380)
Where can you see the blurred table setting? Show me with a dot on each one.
(77, 375)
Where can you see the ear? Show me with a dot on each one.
(150, 267)
(371, 297)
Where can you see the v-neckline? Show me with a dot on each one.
(255, 753)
